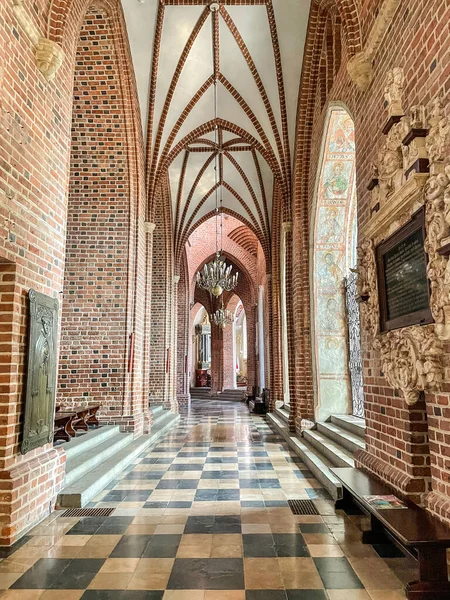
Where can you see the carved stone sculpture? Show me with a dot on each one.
(438, 139)
(393, 92)
(359, 67)
(411, 360)
(437, 194)
(49, 57)
(390, 163)
(367, 287)
(41, 376)
(415, 155)
(48, 54)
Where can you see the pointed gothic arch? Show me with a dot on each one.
(333, 255)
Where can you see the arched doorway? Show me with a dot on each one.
(333, 280)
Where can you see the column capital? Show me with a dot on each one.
(149, 227)
(286, 227)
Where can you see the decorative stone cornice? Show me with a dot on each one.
(48, 54)
(149, 227)
(359, 67)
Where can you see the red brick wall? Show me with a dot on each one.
(94, 310)
(35, 132)
(397, 437)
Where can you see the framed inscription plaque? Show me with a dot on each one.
(402, 277)
(41, 375)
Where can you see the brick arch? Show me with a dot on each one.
(349, 14)
(121, 157)
(264, 244)
(312, 81)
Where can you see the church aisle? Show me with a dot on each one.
(204, 516)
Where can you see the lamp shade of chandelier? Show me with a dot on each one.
(216, 276)
(222, 317)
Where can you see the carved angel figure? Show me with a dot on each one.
(393, 91)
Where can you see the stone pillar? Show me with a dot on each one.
(286, 230)
(149, 228)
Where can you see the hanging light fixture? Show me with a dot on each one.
(222, 317)
(216, 276)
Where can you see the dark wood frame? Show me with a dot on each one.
(419, 317)
(413, 529)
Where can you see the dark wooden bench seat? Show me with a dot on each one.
(63, 429)
(81, 418)
(413, 528)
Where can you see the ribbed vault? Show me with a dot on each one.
(232, 52)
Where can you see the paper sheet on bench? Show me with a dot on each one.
(384, 502)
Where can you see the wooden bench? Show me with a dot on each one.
(413, 528)
(67, 423)
(63, 429)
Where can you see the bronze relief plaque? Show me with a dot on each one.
(41, 373)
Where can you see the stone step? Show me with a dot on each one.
(85, 441)
(157, 409)
(86, 461)
(343, 437)
(164, 422)
(316, 462)
(354, 425)
(282, 413)
(339, 456)
(81, 491)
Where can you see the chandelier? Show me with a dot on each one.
(222, 317)
(216, 276)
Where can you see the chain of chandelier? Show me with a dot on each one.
(216, 276)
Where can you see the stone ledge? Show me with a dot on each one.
(405, 484)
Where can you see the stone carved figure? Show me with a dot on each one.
(394, 90)
(367, 287)
(437, 215)
(411, 360)
(390, 163)
(438, 139)
(41, 378)
(49, 57)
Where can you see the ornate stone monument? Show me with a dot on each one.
(41, 374)
(410, 177)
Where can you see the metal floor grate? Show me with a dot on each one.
(88, 512)
(303, 507)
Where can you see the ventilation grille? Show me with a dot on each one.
(88, 512)
(303, 507)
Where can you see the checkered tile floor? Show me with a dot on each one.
(204, 516)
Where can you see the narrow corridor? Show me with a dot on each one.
(204, 516)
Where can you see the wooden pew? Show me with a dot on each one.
(414, 529)
(68, 422)
(63, 429)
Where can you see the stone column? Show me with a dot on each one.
(149, 228)
(286, 230)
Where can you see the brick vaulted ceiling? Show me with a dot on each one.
(253, 49)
